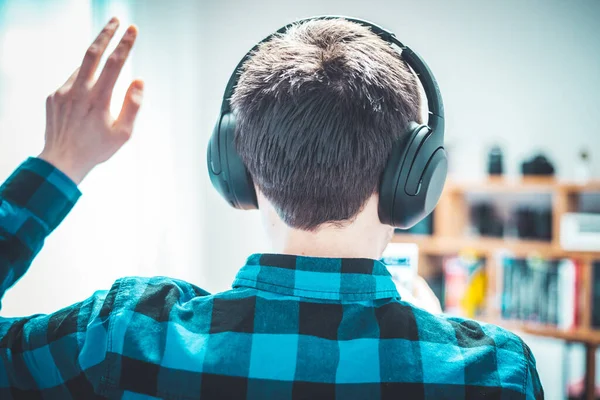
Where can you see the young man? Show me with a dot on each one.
(321, 319)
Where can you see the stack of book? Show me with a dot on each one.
(541, 290)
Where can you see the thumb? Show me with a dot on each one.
(131, 106)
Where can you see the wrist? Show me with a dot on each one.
(72, 169)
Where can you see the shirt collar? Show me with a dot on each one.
(352, 279)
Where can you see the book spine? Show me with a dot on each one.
(506, 299)
(553, 294)
(596, 295)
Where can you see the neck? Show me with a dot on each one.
(364, 237)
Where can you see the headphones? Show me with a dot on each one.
(414, 176)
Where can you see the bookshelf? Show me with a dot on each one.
(449, 227)
(440, 245)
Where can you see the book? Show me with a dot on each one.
(596, 295)
(465, 285)
(567, 294)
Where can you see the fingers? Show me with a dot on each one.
(95, 51)
(114, 64)
(69, 83)
(131, 106)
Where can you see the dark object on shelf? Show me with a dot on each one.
(534, 224)
(583, 167)
(486, 221)
(495, 161)
(539, 165)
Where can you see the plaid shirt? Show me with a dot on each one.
(292, 327)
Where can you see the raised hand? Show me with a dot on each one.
(80, 132)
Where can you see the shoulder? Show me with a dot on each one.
(139, 311)
(466, 333)
(143, 317)
(149, 288)
(488, 355)
(150, 296)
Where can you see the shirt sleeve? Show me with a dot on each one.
(61, 355)
(33, 202)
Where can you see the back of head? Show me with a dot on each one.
(318, 109)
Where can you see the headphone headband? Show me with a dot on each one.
(419, 66)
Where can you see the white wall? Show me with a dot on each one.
(140, 213)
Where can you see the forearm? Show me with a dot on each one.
(33, 202)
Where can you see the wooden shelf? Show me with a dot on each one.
(451, 221)
(502, 185)
(593, 186)
(523, 185)
(440, 246)
(571, 335)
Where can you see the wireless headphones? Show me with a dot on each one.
(414, 176)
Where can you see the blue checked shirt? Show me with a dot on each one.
(291, 328)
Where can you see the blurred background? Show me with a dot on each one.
(516, 236)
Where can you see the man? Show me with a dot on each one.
(320, 319)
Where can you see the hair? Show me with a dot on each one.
(318, 109)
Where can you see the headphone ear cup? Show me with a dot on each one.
(391, 176)
(432, 182)
(227, 172)
(413, 178)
